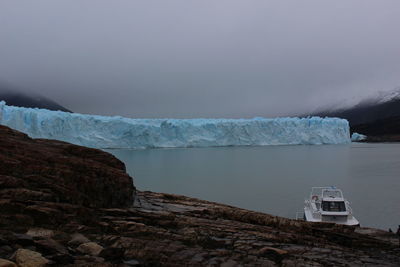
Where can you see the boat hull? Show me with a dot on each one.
(345, 220)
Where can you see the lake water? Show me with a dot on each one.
(276, 179)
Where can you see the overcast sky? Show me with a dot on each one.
(200, 58)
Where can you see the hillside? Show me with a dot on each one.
(15, 97)
(378, 117)
(367, 112)
(383, 130)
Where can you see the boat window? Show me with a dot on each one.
(331, 193)
(333, 206)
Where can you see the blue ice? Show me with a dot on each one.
(119, 132)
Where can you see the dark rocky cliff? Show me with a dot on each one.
(54, 171)
(62, 204)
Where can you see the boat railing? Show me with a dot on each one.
(300, 216)
(316, 214)
(320, 192)
(349, 209)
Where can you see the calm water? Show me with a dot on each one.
(276, 179)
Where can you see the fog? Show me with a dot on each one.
(187, 58)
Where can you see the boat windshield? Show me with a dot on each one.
(332, 193)
(333, 206)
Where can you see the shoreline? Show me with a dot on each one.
(67, 205)
(172, 230)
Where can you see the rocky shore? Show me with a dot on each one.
(380, 131)
(65, 205)
(382, 139)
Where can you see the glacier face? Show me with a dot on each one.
(118, 132)
(355, 137)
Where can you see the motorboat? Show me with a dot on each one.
(327, 204)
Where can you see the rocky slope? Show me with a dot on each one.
(54, 171)
(63, 205)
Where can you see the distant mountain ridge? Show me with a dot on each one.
(387, 126)
(378, 116)
(16, 98)
(381, 106)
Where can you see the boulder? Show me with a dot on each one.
(7, 263)
(78, 239)
(90, 248)
(21, 239)
(131, 263)
(275, 254)
(40, 233)
(112, 253)
(50, 246)
(29, 258)
(270, 250)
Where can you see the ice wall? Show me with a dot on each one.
(355, 137)
(118, 132)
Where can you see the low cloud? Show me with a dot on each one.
(200, 58)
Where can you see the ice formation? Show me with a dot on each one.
(118, 132)
(355, 137)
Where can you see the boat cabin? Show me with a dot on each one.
(327, 204)
(335, 206)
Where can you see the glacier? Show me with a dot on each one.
(355, 137)
(126, 133)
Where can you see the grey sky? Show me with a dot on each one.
(203, 58)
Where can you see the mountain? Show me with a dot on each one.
(380, 106)
(377, 116)
(383, 130)
(15, 97)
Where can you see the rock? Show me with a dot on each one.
(97, 261)
(131, 263)
(90, 248)
(61, 259)
(273, 253)
(41, 233)
(29, 258)
(6, 249)
(112, 253)
(272, 250)
(83, 193)
(229, 263)
(78, 239)
(54, 171)
(7, 263)
(49, 246)
(22, 239)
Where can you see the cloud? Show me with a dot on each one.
(200, 58)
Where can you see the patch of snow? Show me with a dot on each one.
(383, 97)
(370, 99)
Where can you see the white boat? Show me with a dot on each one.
(327, 204)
